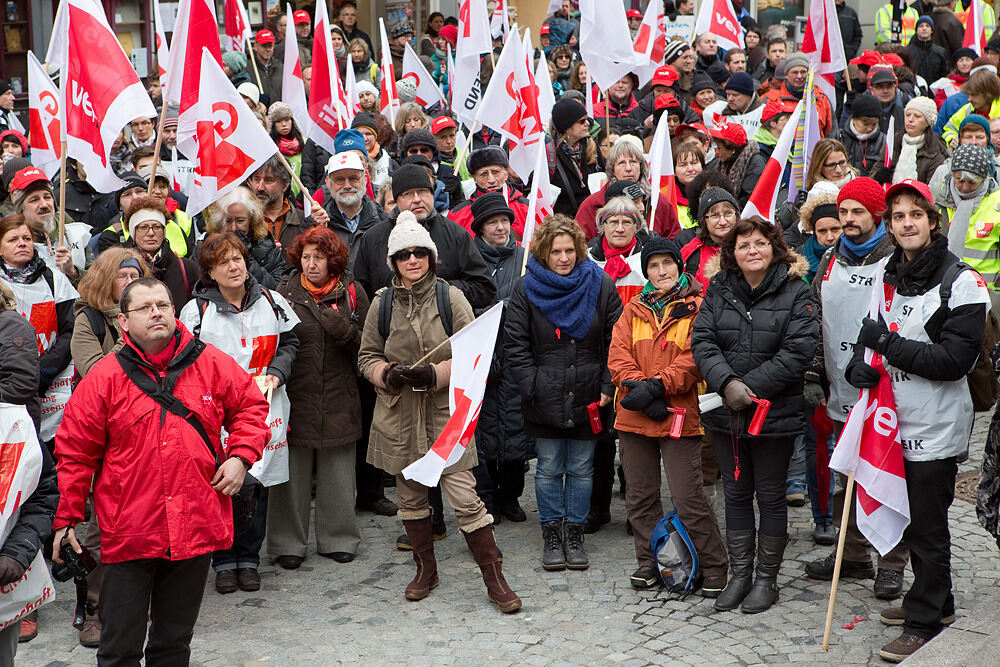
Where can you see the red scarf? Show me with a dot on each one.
(289, 145)
(615, 264)
(679, 193)
(318, 293)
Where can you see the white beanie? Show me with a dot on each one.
(926, 107)
(368, 86)
(408, 233)
(144, 215)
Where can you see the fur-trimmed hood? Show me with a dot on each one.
(798, 268)
(815, 199)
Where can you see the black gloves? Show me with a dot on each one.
(419, 377)
(813, 394)
(873, 334)
(642, 392)
(883, 175)
(392, 377)
(861, 375)
(657, 410)
(800, 198)
(10, 570)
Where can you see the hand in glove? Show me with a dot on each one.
(737, 395)
(392, 377)
(10, 570)
(800, 198)
(420, 377)
(813, 393)
(873, 334)
(861, 375)
(657, 410)
(641, 393)
(883, 175)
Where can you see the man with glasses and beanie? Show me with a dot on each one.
(143, 426)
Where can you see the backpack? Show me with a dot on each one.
(676, 558)
(443, 304)
(984, 386)
(100, 328)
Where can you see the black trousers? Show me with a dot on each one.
(167, 593)
(930, 486)
(763, 471)
(604, 463)
(368, 478)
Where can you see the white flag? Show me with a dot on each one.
(162, 50)
(473, 41)
(44, 118)
(540, 199)
(427, 91)
(650, 43)
(293, 86)
(605, 42)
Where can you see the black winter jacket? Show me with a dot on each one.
(267, 263)
(932, 61)
(865, 155)
(559, 376)
(768, 344)
(313, 172)
(571, 181)
(371, 215)
(850, 29)
(458, 261)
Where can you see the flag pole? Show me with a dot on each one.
(62, 189)
(159, 143)
(253, 59)
(295, 179)
(429, 354)
(845, 515)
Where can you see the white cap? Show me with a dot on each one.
(247, 89)
(345, 160)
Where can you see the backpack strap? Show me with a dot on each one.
(98, 324)
(202, 307)
(385, 311)
(184, 274)
(50, 280)
(948, 279)
(444, 305)
(279, 312)
(442, 294)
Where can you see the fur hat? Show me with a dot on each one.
(487, 156)
(368, 86)
(408, 233)
(821, 203)
(279, 111)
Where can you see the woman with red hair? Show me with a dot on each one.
(325, 418)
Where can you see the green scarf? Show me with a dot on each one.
(658, 299)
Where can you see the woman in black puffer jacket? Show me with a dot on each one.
(558, 331)
(754, 337)
(240, 212)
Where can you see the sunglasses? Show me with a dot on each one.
(419, 253)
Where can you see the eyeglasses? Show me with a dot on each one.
(148, 309)
(835, 165)
(715, 217)
(620, 224)
(746, 246)
(419, 253)
(145, 229)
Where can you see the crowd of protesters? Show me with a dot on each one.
(616, 318)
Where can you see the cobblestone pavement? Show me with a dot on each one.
(329, 613)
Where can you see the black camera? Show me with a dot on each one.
(75, 565)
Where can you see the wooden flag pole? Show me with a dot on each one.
(845, 515)
(253, 59)
(429, 354)
(157, 145)
(297, 181)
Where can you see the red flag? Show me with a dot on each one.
(44, 118)
(237, 25)
(975, 31)
(324, 100)
(221, 136)
(101, 92)
(823, 44)
(765, 193)
(719, 18)
(388, 95)
(196, 29)
(650, 43)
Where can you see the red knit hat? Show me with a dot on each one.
(867, 192)
(450, 34)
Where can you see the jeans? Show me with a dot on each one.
(245, 552)
(797, 473)
(822, 508)
(564, 478)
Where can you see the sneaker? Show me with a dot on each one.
(29, 628)
(888, 584)
(225, 581)
(643, 578)
(711, 587)
(849, 569)
(90, 633)
(896, 616)
(902, 647)
(824, 534)
(795, 499)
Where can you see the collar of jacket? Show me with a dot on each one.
(186, 345)
(213, 294)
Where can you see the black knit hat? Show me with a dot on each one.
(487, 156)
(132, 180)
(11, 167)
(866, 106)
(657, 245)
(701, 82)
(709, 198)
(417, 137)
(487, 205)
(410, 177)
(364, 119)
(565, 113)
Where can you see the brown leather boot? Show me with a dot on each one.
(483, 546)
(419, 532)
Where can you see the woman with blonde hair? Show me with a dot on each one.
(410, 116)
(558, 331)
(240, 212)
(361, 60)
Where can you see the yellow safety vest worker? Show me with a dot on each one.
(883, 24)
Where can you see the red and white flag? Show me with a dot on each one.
(661, 169)
(510, 106)
(719, 18)
(293, 86)
(500, 22)
(162, 50)
(650, 43)
(196, 29)
(473, 41)
(44, 118)
(889, 140)
(388, 96)
(975, 31)
(870, 446)
(451, 76)
(823, 44)
(427, 91)
(221, 136)
(324, 99)
(605, 42)
(101, 92)
(471, 356)
(546, 97)
(765, 193)
(540, 204)
(593, 96)
(237, 26)
(351, 94)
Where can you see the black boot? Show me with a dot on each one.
(576, 557)
(764, 593)
(553, 556)
(740, 546)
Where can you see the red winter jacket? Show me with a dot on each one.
(462, 214)
(665, 224)
(151, 491)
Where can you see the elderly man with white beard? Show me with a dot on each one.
(349, 211)
(31, 192)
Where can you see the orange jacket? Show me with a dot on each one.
(642, 348)
(822, 105)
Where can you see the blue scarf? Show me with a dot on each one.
(814, 253)
(858, 251)
(568, 302)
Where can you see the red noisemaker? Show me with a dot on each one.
(759, 415)
(676, 421)
(594, 413)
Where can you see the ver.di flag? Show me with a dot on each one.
(237, 25)
(324, 100)
(293, 86)
(428, 93)
(719, 18)
(661, 169)
(650, 43)
(471, 357)
(44, 118)
(473, 41)
(823, 44)
(162, 50)
(388, 96)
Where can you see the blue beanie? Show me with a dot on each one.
(974, 118)
(349, 140)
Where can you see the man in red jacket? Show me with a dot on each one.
(488, 166)
(161, 481)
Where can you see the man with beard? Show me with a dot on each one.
(349, 211)
(488, 167)
(32, 195)
(284, 220)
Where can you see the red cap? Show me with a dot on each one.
(26, 177)
(697, 127)
(665, 76)
(301, 16)
(775, 107)
(666, 101)
(731, 132)
(906, 184)
(442, 123)
(265, 37)
(633, 14)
